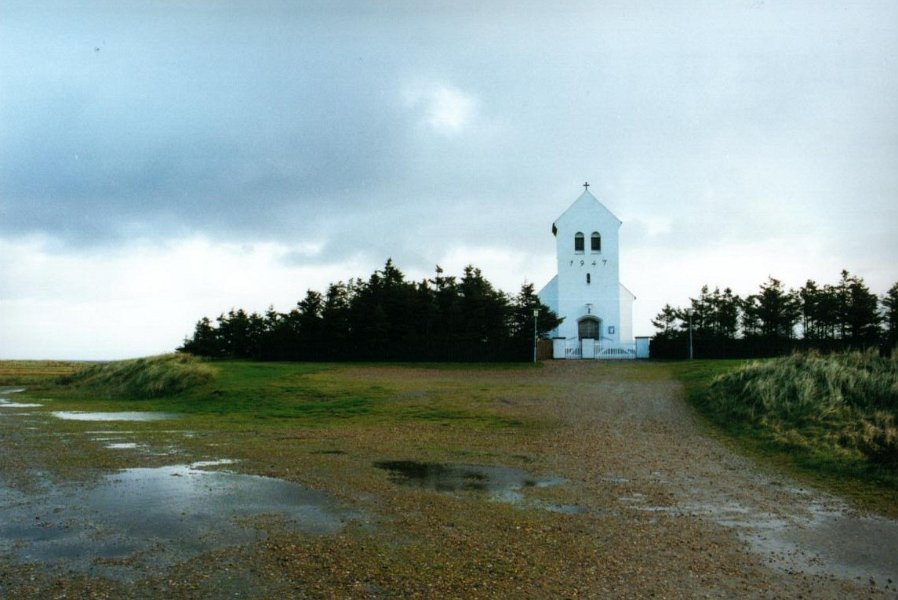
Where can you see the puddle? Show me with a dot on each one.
(850, 547)
(500, 484)
(824, 541)
(615, 480)
(154, 517)
(122, 446)
(114, 416)
(6, 403)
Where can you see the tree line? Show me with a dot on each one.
(776, 321)
(385, 318)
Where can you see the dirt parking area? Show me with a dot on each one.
(603, 484)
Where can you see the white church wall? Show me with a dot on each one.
(549, 294)
(579, 303)
(588, 277)
(642, 347)
(559, 348)
(626, 313)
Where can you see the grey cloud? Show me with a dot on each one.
(287, 121)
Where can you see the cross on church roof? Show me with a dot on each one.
(586, 186)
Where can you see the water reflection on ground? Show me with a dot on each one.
(828, 538)
(5, 402)
(154, 517)
(114, 416)
(499, 483)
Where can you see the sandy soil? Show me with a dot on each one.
(660, 508)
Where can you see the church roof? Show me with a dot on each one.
(587, 201)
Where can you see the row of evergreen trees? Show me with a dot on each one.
(385, 318)
(777, 321)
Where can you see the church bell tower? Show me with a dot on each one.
(586, 291)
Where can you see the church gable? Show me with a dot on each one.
(585, 209)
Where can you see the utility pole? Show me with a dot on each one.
(689, 312)
(535, 315)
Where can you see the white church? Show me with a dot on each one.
(586, 292)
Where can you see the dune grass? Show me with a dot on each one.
(841, 404)
(141, 378)
(833, 418)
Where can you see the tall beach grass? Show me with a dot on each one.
(844, 406)
(141, 378)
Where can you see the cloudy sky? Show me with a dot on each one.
(161, 161)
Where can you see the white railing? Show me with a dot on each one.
(615, 350)
(601, 350)
(572, 351)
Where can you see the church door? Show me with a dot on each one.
(589, 328)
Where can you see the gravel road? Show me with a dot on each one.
(631, 497)
(772, 536)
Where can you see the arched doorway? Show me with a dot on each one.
(589, 327)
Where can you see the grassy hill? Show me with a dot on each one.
(833, 416)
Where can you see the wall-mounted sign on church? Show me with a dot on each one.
(586, 291)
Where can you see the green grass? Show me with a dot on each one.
(827, 419)
(278, 394)
(697, 375)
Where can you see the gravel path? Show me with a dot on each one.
(777, 537)
(639, 501)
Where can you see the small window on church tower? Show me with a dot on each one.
(578, 242)
(588, 278)
(595, 244)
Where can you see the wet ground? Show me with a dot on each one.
(6, 403)
(68, 415)
(632, 494)
(792, 529)
(138, 520)
(149, 518)
(495, 483)
(823, 537)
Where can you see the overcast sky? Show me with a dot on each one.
(161, 161)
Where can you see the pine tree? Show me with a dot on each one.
(771, 313)
(668, 322)
(860, 312)
(890, 317)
